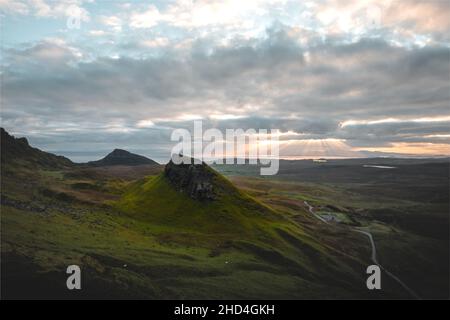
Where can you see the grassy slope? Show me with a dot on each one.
(154, 199)
(157, 244)
(235, 221)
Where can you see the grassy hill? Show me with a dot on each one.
(235, 223)
(183, 233)
(156, 200)
(153, 238)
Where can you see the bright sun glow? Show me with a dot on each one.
(317, 148)
(425, 149)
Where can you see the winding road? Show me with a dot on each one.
(374, 252)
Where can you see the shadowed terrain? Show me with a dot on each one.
(188, 232)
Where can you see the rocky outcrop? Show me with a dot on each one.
(195, 180)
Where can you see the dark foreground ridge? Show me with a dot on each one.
(122, 157)
(16, 151)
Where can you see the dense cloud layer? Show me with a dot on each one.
(369, 92)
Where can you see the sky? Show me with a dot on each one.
(339, 79)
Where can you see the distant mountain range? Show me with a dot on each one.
(18, 149)
(15, 150)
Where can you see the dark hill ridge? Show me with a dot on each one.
(122, 157)
(18, 151)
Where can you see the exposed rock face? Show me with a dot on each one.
(195, 180)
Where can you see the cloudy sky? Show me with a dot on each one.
(338, 78)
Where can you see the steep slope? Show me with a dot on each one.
(17, 152)
(122, 157)
(192, 205)
(195, 197)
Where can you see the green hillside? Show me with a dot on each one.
(233, 223)
(155, 200)
(184, 233)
